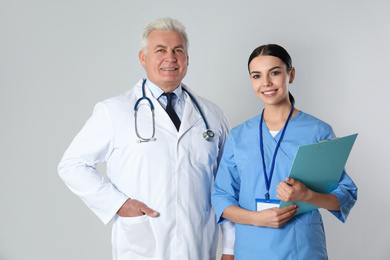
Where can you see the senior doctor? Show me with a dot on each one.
(158, 189)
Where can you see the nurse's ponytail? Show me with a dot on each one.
(292, 99)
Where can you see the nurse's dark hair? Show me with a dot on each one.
(276, 51)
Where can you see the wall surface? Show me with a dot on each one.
(59, 58)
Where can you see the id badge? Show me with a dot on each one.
(262, 204)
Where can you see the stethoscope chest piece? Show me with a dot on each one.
(208, 135)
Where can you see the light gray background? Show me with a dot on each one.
(59, 58)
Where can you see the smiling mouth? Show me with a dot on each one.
(269, 92)
(169, 69)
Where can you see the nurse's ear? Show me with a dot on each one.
(292, 75)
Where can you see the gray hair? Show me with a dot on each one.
(163, 24)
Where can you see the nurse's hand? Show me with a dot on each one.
(275, 217)
(292, 190)
(135, 208)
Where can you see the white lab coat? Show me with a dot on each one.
(173, 175)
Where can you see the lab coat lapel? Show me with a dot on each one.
(190, 115)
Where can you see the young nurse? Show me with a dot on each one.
(252, 176)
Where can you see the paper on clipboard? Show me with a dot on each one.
(319, 166)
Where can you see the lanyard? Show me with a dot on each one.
(268, 180)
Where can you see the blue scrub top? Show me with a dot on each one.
(240, 181)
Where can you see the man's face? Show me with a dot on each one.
(166, 60)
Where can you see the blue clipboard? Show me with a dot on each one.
(319, 166)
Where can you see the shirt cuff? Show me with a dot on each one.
(228, 237)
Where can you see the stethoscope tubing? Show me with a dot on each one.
(208, 135)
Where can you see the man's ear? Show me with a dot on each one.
(141, 56)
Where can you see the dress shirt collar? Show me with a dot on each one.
(157, 91)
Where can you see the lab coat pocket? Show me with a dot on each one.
(136, 238)
(203, 151)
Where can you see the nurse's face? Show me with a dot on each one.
(166, 59)
(270, 79)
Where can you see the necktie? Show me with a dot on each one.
(170, 111)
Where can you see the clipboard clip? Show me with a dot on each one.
(327, 140)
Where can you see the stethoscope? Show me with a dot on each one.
(208, 135)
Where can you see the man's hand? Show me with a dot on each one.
(135, 208)
(227, 257)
